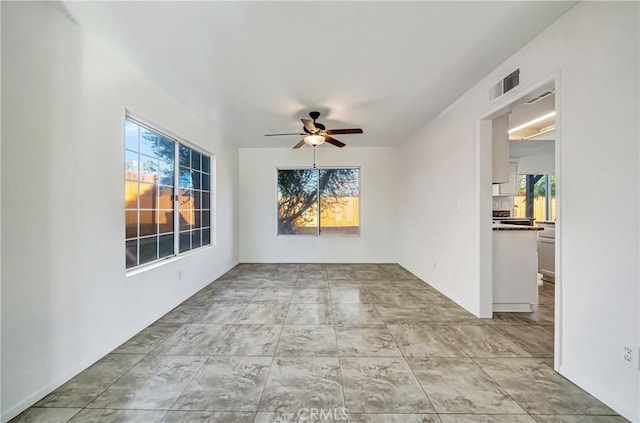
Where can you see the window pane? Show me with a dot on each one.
(148, 142)
(206, 203)
(165, 198)
(166, 150)
(166, 246)
(131, 165)
(130, 135)
(540, 199)
(131, 195)
(520, 199)
(148, 169)
(186, 199)
(206, 216)
(131, 223)
(206, 236)
(131, 253)
(205, 164)
(205, 182)
(197, 204)
(339, 201)
(196, 240)
(148, 249)
(185, 156)
(185, 241)
(297, 202)
(186, 219)
(195, 177)
(166, 173)
(186, 180)
(197, 220)
(195, 160)
(148, 223)
(165, 221)
(147, 196)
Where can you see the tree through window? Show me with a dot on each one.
(319, 201)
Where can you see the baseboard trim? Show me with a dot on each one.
(610, 400)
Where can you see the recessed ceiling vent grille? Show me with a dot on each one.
(540, 97)
(505, 85)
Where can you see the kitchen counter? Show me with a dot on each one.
(515, 264)
(506, 227)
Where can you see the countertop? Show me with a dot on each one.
(503, 227)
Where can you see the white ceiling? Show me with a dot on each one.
(253, 68)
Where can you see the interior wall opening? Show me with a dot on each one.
(526, 194)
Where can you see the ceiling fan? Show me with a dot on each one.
(316, 133)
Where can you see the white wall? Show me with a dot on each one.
(0, 227)
(257, 203)
(65, 298)
(594, 44)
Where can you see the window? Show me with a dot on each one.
(536, 197)
(157, 226)
(319, 201)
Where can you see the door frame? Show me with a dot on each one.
(484, 198)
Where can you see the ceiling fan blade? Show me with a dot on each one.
(300, 144)
(333, 141)
(344, 131)
(276, 135)
(309, 125)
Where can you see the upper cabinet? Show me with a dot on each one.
(511, 186)
(500, 143)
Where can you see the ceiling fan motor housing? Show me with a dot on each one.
(314, 116)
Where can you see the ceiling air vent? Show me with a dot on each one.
(505, 85)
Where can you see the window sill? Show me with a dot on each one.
(339, 235)
(320, 236)
(148, 267)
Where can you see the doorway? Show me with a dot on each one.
(486, 199)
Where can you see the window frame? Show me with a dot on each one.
(177, 143)
(318, 233)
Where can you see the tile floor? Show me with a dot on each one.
(267, 340)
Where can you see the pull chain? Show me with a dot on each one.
(314, 156)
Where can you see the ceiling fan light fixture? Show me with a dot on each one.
(314, 140)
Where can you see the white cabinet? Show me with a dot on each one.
(547, 251)
(500, 149)
(511, 186)
(515, 285)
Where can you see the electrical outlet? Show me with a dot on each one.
(630, 356)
